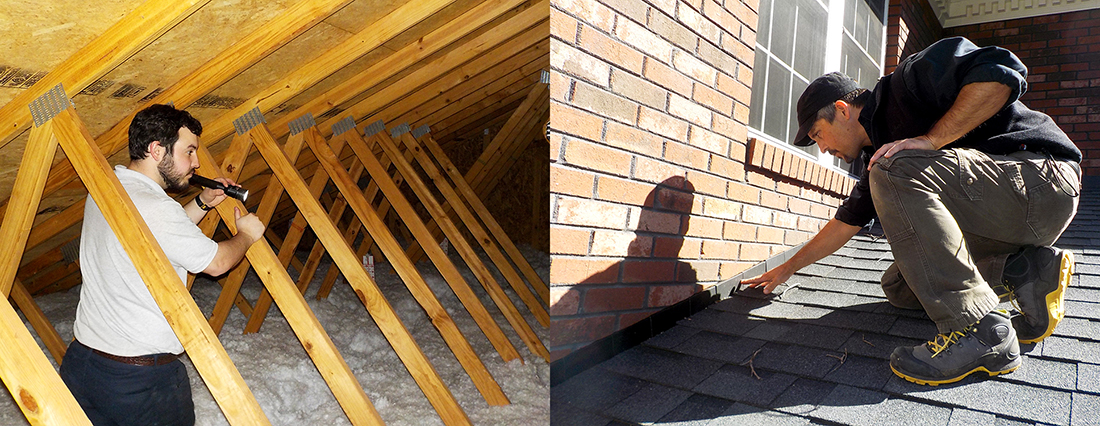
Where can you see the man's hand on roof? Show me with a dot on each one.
(771, 279)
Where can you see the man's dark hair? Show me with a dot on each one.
(856, 98)
(159, 123)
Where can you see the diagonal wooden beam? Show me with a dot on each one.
(289, 246)
(511, 131)
(442, 262)
(31, 379)
(461, 348)
(313, 337)
(209, 357)
(506, 32)
(487, 218)
(127, 36)
(272, 193)
(423, 48)
(38, 320)
(26, 194)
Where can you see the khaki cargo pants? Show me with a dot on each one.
(954, 216)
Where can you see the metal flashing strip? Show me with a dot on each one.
(374, 128)
(300, 124)
(399, 130)
(420, 131)
(545, 78)
(342, 126)
(249, 120)
(46, 107)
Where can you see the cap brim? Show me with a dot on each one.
(800, 138)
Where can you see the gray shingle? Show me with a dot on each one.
(1088, 377)
(1044, 372)
(1086, 409)
(964, 417)
(833, 300)
(563, 414)
(855, 406)
(719, 321)
(648, 404)
(797, 360)
(978, 393)
(720, 347)
(856, 275)
(914, 328)
(877, 345)
(697, 410)
(1070, 349)
(741, 414)
(1083, 309)
(1078, 327)
(801, 334)
(672, 337)
(803, 396)
(1083, 294)
(736, 383)
(863, 372)
(594, 390)
(661, 366)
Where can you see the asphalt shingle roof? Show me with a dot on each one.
(818, 354)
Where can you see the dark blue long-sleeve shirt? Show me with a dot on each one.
(908, 102)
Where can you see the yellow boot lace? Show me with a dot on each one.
(943, 341)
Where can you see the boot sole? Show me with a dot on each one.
(1056, 308)
(929, 382)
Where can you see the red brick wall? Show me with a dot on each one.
(911, 25)
(652, 198)
(1062, 53)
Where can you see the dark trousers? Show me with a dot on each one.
(115, 393)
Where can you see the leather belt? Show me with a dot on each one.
(142, 361)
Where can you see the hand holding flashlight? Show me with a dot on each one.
(231, 190)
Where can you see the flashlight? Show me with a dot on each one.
(230, 190)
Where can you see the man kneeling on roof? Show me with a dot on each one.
(123, 367)
(972, 189)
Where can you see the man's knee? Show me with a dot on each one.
(897, 290)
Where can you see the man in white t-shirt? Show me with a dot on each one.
(123, 367)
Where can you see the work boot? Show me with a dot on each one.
(989, 345)
(1036, 279)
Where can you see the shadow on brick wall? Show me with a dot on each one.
(614, 308)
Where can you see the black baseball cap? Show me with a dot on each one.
(822, 91)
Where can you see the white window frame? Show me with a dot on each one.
(833, 57)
